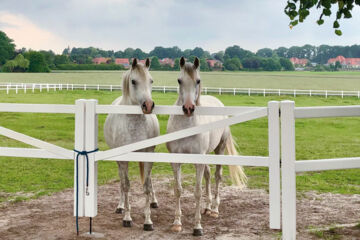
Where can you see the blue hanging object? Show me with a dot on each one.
(81, 153)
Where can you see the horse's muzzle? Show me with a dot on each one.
(148, 106)
(188, 109)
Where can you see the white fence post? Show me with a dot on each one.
(91, 134)
(310, 93)
(249, 92)
(72, 87)
(342, 94)
(98, 87)
(288, 170)
(7, 89)
(79, 177)
(25, 88)
(84, 87)
(219, 91)
(205, 91)
(47, 86)
(16, 88)
(33, 88)
(274, 164)
(294, 93)
(326, 94)
(264, 92)
(234, 91)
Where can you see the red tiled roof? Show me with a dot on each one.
(214, 63)
(299, 61)
(345, 61)
(122, 61)
(100, 60)
(167, 61)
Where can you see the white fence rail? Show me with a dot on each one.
(86, 127)
(47, 87)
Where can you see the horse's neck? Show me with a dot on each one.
(125, 100)
(179, 102)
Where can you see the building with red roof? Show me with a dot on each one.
(215, 64)
(345, 62)
(167, 61)
(122, 61)
(299, 61)
(100, 60)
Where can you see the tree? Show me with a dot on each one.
(233, 64)
(253, 63)
(286, 64)
(219, 56)
(265, 52)
(7, 48)
(37, 62)
(155, 64)
(236, 51)
(204, 66)
(299, 10)
(176, 64)
(270, 64)
(19, 64)
(61, 59)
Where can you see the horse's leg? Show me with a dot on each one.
(216, 202)
(125, 184)
(198, 193)
(153, 199)
(148, 224)
(120, 206)
(207, 177)
(177, 190)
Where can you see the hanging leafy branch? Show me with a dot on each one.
(298, 10)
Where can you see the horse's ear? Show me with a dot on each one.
(134, 63)
(196, 63)
(147, 63)
(182, 62)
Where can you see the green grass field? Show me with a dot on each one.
(283, 80)
(23, 178)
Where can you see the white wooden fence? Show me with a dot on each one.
(86, 132)
(47, 87)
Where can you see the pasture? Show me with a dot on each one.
(269, 80)
(316, 138)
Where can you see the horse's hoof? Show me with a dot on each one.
(148, 227)
(214, 214)
(207, 211)
(176, 228)
(198, 232)
(154, 205)
(127, 223)
(119, 210)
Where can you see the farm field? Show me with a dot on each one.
(269, 80)
(316, 138)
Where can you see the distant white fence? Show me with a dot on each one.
(281, 140)
(46, 87)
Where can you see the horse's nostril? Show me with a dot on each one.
(153, 105)
(184, 109)
(143, 105)
(192, 109)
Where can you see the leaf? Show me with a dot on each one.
(294, 23)
(320, 21)
(341, 4)
(327, 11)
(338, 32)
(336, 24)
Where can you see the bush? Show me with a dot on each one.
(37, 62)
(89, 67)
(19, 64)
(233, 64)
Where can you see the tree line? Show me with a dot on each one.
(234, 58)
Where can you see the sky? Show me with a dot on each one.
(118, 24)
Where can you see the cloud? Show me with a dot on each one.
(26, 34)
(213, 25)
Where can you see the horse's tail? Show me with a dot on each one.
(237, 174)
(141, 167)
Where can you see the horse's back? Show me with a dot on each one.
(210, 101)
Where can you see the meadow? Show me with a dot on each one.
(270, 80)
(23, 178)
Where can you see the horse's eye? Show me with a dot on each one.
(198, 81)
(179, 80)
(133, 82)
(151, 81)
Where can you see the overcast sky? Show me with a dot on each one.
(118, 24)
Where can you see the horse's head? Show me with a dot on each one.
(189, 85)
(137, 85)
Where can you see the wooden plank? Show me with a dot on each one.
(173, 110)
(325, 112)
(274, 164)
(29, 153)
(181, 134)
(327, 164)
(79, 176)
(256, 161)
(288, 170)
(91, 143)
(37, 108)
(36, 142)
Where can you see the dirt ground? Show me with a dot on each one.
(243, 215)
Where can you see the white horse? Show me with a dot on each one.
(216, 140)
(123, 129)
